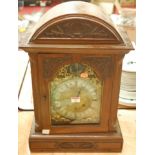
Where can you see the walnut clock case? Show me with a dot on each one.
(76, 55)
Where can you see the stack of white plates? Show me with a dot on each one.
(127, 94)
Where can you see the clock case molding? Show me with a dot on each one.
(76, 32)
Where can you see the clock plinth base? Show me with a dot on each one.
(90, 142)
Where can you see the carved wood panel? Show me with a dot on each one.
(76, 145)
(77, 28)
(101, 64)
(51, 65)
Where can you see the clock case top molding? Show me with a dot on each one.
(76, 32)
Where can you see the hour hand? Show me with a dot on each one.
(78, 93)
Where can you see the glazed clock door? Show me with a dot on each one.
(73, 95)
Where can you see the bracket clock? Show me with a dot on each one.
(76, 55)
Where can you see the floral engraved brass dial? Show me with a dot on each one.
(75, 96)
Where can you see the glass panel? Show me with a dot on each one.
(75, 96)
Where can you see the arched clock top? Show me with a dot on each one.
(75, 22)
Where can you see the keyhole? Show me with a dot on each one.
(44, 97)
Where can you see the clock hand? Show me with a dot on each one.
(78, 93)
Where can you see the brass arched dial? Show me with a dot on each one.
(76, 101)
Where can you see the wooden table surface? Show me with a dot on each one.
(127, 123)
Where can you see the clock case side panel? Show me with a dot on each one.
(47, 73)
(36, 91)
(116, 80)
